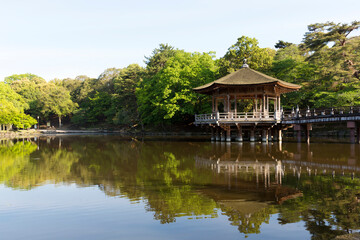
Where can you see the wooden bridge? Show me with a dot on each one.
(271, 123)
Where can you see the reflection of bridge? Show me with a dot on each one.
(278, 167)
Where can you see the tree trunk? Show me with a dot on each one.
(59, 121)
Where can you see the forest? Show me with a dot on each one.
(325, 64)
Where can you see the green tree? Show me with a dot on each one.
(331, 40)
(246, 48)
(12, 107)
(168, 94)
(55, 100)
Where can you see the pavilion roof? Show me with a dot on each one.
(245, 77)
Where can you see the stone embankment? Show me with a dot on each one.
(19, 134)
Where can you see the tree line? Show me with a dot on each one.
(325, 64)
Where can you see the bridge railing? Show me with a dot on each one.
(320, 112)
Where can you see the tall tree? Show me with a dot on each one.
(55, 100)
(333, 38)
(167, 96)
(246, 48)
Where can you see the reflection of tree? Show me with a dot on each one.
(169, 176)
(164, 176)
(327, 202)
(14, 158)
(249, 223)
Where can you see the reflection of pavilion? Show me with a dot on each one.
(263, 169)
(269, 164)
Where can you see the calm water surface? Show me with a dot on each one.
(107, 187)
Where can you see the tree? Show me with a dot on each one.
(344, 50)
(55, 100)
(246, 48)
(28, 76)
(159, 57)
(290, 65)
(282, 44)
(168, 96)
(12, 107)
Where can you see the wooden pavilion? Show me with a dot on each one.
(245, 99)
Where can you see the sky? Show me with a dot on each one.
(68, 38)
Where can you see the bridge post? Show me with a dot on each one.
(307, 132)
(228, 134)
(252, 135)
(264, 136)
(352, 126)
(218, 134)
(222, 135)
(274, 134)
(239, 137)
(212, 133)
(297, 128)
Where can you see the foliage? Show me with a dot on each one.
(246, 48)
(12, 107)
(168, 94)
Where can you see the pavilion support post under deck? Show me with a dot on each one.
(252, 135)
(222, 135)
(274, 133)
(279, 131)
(212, 133)
(270, 135)
(264, 136)
(218, 135)
(228, 134)
(239, 137)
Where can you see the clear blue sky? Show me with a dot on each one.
(67, 38)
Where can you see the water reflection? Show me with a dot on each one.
(317, 184)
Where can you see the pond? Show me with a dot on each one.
(109, 187)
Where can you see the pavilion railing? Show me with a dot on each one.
(240, 116)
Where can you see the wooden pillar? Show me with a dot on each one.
(252, 135)
(264, 136)
(275, 105)
(228, 134)
(263, 104)
(279, 134)
(228, 103)
(213, 103)
(239, 137)
(235, 110)
(216, 105)
(279, 102)
(256, 104)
